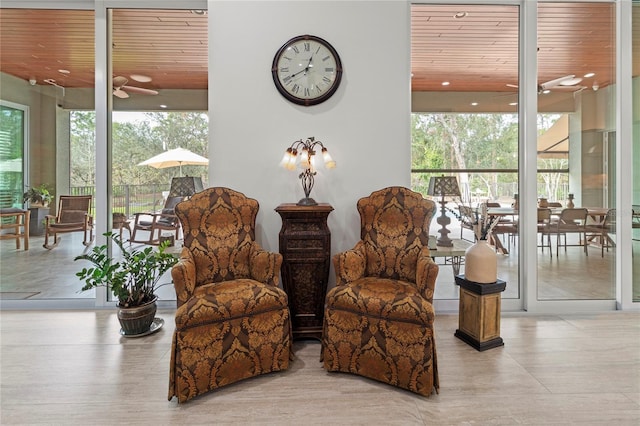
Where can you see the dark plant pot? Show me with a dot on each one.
(137, 320)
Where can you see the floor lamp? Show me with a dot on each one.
(443, 186)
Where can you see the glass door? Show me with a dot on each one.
(576, 152)
(13, 145)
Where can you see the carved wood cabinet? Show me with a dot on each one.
(305, 245)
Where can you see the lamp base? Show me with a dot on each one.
(444, 242)
(307, 202)
(443, 220)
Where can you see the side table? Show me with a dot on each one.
(479, 313)
(305, 245)
(453, 255)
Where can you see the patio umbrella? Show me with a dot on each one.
(175, 158)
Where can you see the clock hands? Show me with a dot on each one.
(304, 70)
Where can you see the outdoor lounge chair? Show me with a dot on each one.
(74, 215)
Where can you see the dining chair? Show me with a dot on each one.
(543, 224)
(570, 221)
(603, 230)
(635, 219)
(467, 219)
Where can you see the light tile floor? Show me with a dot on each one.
(73, 368)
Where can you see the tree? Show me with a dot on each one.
(467, 141)
(134, 142)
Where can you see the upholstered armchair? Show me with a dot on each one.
(379, 317)
(232, 320)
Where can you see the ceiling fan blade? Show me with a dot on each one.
(515, 86)
(119, 93)
(556, 82)
(139, 90)
(119, 81)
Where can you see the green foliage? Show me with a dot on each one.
(134, 142)
(41, 194)
(134, 279)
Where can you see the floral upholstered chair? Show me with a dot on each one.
(232, 320)
(379, 317)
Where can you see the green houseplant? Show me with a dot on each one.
(39, 195)
(133, 279)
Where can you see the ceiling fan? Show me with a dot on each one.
(568, 82)
(121, 90)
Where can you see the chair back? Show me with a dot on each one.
(572, 219)
(467, 215)
(394, 228)
(544, 215)
(554, 204)
(219, 229)
(610, 221)
(169, 209)
(73, 209)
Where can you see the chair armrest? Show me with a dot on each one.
(264, 266)
(49, 219)
(350, 264)
(183, 274)
(426, 274)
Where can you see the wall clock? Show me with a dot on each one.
(307, 70)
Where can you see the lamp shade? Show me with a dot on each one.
(185, 186)
(443, 185)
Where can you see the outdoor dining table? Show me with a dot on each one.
(500, 212)
(597, 215)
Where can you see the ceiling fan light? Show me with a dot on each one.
(140, 78)
(571, 81)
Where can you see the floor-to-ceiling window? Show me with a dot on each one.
(13, 146)
(636, 152)
(465, 123)
(161, 105)
(576, 150)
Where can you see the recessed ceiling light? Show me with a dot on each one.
(198, 11)
(589, 74)
(546, 91)
(460, 15)
(445, 83)
(163, 106)
(513, 103)
(474, 104)
(140, 78)
(63, 71)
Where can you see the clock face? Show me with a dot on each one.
(307, 70)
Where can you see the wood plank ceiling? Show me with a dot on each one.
(477, 52)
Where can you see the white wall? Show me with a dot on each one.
(365, 125)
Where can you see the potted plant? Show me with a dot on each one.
(133, 279)
(40, 195)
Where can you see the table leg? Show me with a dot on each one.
(456, 261)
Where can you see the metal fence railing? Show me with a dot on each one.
(131, 199)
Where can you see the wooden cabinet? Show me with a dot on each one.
(305, 245)
(479, 313)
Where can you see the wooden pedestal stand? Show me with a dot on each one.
(305, 245)
(479, 316)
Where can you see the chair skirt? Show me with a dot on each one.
(381, 329)
(227, 332)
